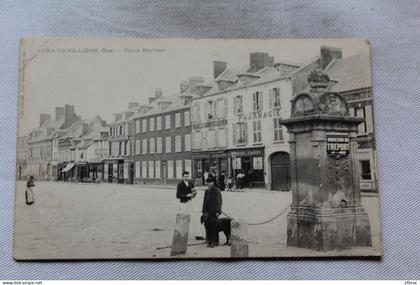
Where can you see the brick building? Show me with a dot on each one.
(162, 137)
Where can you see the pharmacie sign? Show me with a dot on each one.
(338, 145)
(253, 116)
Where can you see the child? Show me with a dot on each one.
(229, 184)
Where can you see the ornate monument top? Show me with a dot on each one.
(318, 80)
(319, 100)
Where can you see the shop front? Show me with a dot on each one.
(250, 162)
(114, 171)
(90, 171)
(212, 161)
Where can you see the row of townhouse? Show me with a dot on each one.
(231, 124)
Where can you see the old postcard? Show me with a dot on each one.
(139, 149)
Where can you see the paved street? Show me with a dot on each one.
(94, 221)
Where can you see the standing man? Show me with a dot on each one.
(185, 192)
(222, 181)
(29, 193)
(212, 208)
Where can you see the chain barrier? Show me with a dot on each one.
(264, 222)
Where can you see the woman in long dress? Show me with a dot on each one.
(29, 193)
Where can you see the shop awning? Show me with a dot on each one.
(68, 167)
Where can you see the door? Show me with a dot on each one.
(246, 167)
(280, 171)
(110, 172)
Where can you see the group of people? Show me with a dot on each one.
(220, 180)
(211, 209)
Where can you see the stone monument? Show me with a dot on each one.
(326, 211)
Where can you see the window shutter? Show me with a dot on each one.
(271, 97)
(260, 100)
(246, 131)
(224, 107)
(234, 137)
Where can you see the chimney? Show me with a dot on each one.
(328, 54)
(193, 81)
(132, 105)
(59, 113)
(158, 93)
(218, 68)
(69, 115)
(183, 86)
(259, 60)
(43, 118)
(151, 100)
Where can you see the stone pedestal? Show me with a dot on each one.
(326, 211)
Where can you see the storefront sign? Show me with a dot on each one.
(253, 116)
(338, 145)
(254, 152)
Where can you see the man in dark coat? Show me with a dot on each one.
(212, 208)
(221, 179)
(185, 192)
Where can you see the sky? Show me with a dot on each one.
(114, 72)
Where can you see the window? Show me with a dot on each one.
(256, 127)
(170, 169)
(167, 121)
(369, 119)
(110, 131)
(196, 112)
(168, 147)
(152, 145)
(257, 101)
(187, 118)
(275, 98)
(211, 138)
(188, 166)
(236, 163)
(210, 110)
(240, 133)
(158, 123)
(177, 120)
(178, 144)
(137, 147)
(365, 167)
(278, 130)
(187, 142)
(179, 169)
(127, 148)
(257, 163)
(221, 108)
(137, 169)
(221, 137)
(152, 124)
(360, 112)
(197, 140)
(159, 145)
(151, 169)
(144, 125)
(144, 169)
(137, 126)
(144, 146)
(157, 168)
(237, 104)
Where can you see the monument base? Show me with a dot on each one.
(328, 228)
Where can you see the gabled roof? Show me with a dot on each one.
(351, 72)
